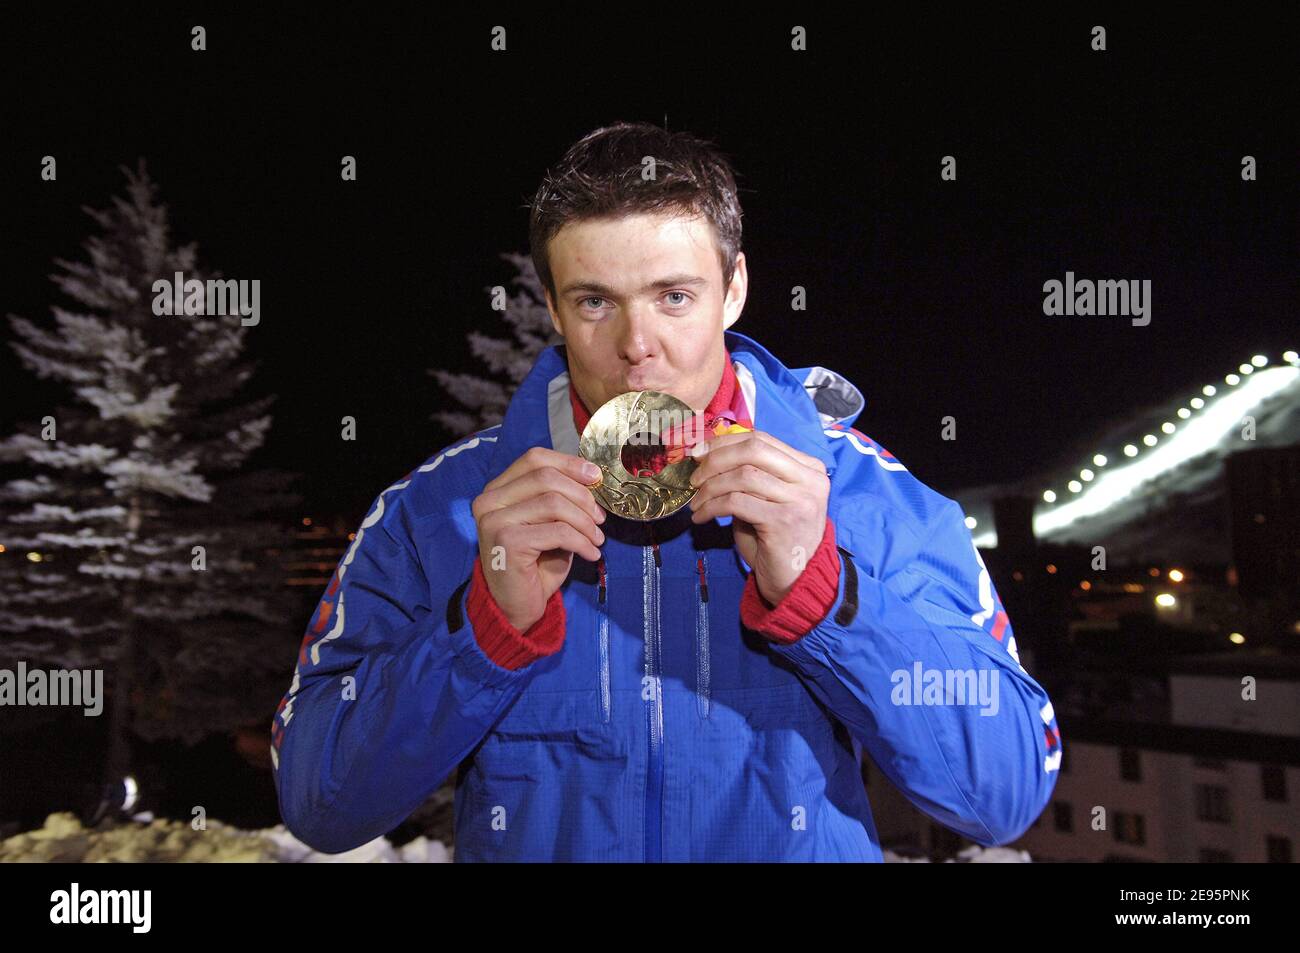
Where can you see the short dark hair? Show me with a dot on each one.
(600, 176)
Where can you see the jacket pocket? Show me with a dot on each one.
(563, 796)
(566, 691)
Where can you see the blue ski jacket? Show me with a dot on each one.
(663, 729)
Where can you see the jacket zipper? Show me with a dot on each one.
(604, 644)
(702, 639)
(654, 711)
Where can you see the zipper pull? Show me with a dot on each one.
(704, 582)
(600, 567)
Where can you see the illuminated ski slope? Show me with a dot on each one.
(1163, 486)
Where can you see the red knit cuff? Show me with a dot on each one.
(502, 642)
(805, 605)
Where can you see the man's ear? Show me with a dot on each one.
(736, 293)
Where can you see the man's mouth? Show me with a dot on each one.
(642, 382)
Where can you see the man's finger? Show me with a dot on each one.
(769, 456)
(760, 483)
(543, 537)
(535, 457)
(548, 507)
(807, 459)
(741, 506)
(534, 483)
(726, 439)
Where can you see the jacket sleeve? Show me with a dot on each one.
(917, 658)
(391, 689)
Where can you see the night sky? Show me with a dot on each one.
(927, 294)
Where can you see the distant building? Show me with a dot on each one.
(1219, 781)
(1205, 775)
(1264, 501)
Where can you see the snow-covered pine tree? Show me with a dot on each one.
(112, 495)
(507, 359)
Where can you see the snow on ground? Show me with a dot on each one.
(144, 840)
(974, 854)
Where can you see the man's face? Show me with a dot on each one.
(641, 306)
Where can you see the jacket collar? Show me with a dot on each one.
(540, 412)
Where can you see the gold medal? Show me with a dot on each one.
(628, 431)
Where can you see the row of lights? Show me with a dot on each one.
(1099, 460)
(1168, 427)
(1166, 600)
(307, 522)
(1175, 575)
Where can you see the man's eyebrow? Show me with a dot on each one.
(597, 288)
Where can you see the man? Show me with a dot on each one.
(692, 688)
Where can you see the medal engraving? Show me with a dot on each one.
(631, 425)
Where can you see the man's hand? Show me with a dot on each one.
(777, 496)
(540, 512)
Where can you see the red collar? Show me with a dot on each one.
(723, 398)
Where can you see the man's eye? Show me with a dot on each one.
(592, 298)
(683, 295)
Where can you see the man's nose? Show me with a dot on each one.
(636, 340)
